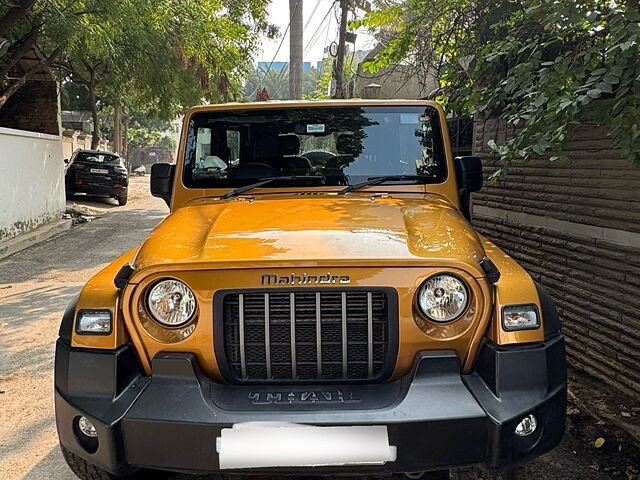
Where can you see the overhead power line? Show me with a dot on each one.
(316, 34)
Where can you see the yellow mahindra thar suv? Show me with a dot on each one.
(316, 302)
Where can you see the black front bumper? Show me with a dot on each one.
(95, 189)
(435, 417)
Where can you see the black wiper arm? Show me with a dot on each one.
(265, 181)
(378, 180)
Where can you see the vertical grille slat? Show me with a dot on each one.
(369, 334)
(267, 335)
(306, 335)
(343, 312)
(243, 361)
(318, 335)
(292, 319)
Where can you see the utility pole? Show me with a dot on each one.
(295, 49)
(338, 65)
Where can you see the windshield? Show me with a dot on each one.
(343, 145)
(100, 158)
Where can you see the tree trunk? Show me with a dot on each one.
(117, 127)
(95, 134)
(17, 85)
(125, 139)
(14, 15)
(20, 82)
(15, 54)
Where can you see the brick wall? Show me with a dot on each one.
(34, 108)
(575, 227)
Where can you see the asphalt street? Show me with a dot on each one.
(35, 287)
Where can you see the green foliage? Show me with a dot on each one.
(143, 137)
(277, 82)
(168, 142)
(74, 96)
(163, 55)
(156, 56)
(322, 85)
(545, 66)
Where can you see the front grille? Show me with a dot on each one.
(302, 335)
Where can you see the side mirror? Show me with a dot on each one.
(66, 161)
(162, 181)
(469, 174)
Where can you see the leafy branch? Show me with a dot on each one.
(544, 66)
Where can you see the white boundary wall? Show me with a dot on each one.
(31, 181)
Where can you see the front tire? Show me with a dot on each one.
(86, 471)
(83, 469)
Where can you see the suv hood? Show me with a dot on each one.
(309, 231)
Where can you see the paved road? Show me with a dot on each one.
(35, 287)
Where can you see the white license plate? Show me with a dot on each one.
(98, 170)
(273, 444)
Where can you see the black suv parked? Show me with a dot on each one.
(97, 173)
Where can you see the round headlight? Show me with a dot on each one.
(442, 298)
(171, 303)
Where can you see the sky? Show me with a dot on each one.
(320, 22)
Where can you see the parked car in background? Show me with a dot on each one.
(97, 173)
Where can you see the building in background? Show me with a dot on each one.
(394, 81)
(278, 66)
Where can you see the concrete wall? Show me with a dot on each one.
(576, 228)
(73, 140)
(32, 181)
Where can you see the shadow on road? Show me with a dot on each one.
(36, 286)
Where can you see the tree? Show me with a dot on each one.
(542, 65)
(161, 55)
(142, 137)
(20, 27)
(157, 55)
(276, 81)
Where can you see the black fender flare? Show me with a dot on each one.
(68, 318)
(552, 323)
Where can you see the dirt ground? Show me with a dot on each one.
(36, 285)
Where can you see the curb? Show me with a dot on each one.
(26, 240)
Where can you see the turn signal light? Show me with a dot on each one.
(93, 322)
(520, 317)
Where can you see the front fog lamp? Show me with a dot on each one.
(520, 317)
(171, 303)
(93, 322)
(87, 428)
(527, 426)
(443, 298)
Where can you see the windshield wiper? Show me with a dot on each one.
(378, 180)
(265, 181)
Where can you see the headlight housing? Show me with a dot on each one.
(443, 298)
(171, 303)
